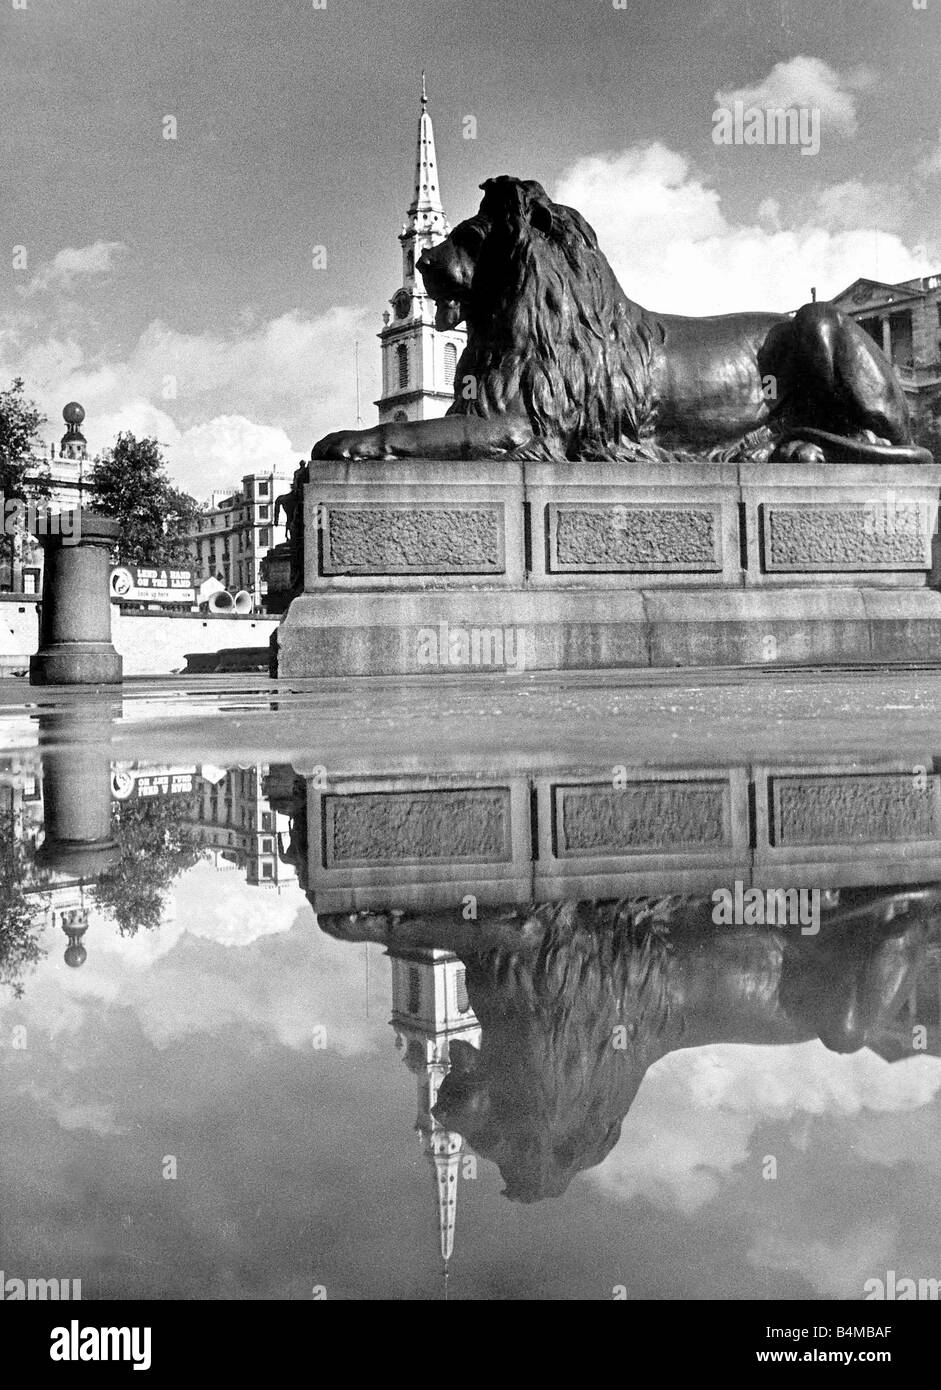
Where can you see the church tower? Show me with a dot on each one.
(418, 361)
(430, 1009)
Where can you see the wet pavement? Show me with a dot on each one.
(481, 989)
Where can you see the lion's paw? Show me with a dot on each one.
(800, 451)
(351, 444)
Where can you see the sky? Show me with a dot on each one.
(170, 285)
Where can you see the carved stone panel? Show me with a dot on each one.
(869, 808)
(418, 538)
(640, 818)
(470, 825)
(828, 536)
(631, 537)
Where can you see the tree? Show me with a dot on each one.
(20, 476)
(131, 484)
(20, 420)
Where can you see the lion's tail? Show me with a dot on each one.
(846, 450)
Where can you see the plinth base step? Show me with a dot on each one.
(370, 633)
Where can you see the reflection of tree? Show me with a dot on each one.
(157, 845)
(19, 948)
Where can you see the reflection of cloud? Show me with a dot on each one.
(218, 907)
(834, 1271)
(697, 1111)
(231, 955)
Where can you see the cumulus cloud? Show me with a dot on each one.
(837, 1270)
(674, 249)
(221, 404)
(846, 206)
(929, 166)
(811, 83)
(74, 264)
(228, 954)
(695, 1116)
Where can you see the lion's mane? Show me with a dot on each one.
(559, 1081)
(550, 324)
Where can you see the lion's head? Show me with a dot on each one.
(551, 333)
(545, 1095)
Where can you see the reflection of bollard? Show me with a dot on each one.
(75, 625)
(76, 789)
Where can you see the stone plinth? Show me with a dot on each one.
(430, 567)
(75, 645)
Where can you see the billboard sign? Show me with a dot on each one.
(157, 584)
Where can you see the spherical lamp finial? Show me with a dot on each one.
(73, 413)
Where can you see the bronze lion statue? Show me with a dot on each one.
(576, 1012)
(560, 364)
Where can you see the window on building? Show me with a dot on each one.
(450, 364)
(267, 847)
(414, 990)
(266, 820)
(267, 871)
(401, 355)
(264, 513)
(264, 489)
(399, 416)
(264, 536)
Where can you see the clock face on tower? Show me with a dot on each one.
(401, 304)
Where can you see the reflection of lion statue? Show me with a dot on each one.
(560, 364)
(576, 1011)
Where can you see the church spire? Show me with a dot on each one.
(426, 218)
(419, 361)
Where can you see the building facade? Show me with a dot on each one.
(905, 320)
(419, 361)
(236, 531)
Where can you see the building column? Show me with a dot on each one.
(887, 338)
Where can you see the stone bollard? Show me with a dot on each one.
(75, 645)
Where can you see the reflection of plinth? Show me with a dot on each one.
(75, 645)
(431, 568)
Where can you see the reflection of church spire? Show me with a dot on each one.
(430, 1009)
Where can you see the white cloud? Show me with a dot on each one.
(837, 1270)
(847, 206)
(73, 264)
(930, 165)
(221, 404)
(810, 83)
(673, 248)
(697, 1111)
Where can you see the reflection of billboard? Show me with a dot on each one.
(166, 584)
(144, 783)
